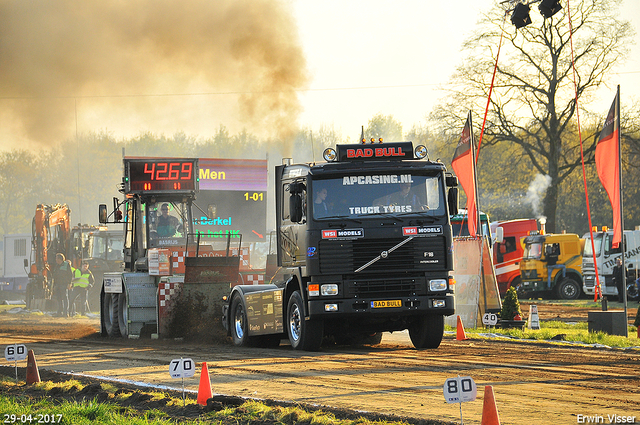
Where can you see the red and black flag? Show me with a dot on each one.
(463, 163)
(608, 165)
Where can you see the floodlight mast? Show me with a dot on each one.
(520, 9)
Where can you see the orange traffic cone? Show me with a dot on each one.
(33, 375)
(204, 391)
(460, 335)
(489, 409)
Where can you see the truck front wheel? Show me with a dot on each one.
(239, 323)
(426, 331)
(568, 289)
(303, 334)
(110, 314)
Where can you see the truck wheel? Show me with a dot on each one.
(303, 334)
(123, 317)
(109, 314)
(239, 323)
(427, 331)
(632, 292)
(569, 289)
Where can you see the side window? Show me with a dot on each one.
(509, 244)
(608, 250)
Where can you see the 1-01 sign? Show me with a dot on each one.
(15, 352)
(182, 368)
(460, 389)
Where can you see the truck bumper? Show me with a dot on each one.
(534, 285)
(394, 306)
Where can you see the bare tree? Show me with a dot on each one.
(533, 104)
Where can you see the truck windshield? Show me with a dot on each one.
(168, 223)
(377, 194)
(106, 248)
(597, 241)
(532, 251)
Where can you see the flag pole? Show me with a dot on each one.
(472, 142)
(623, 248)
(475, 174)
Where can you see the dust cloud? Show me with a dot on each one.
(147, 65)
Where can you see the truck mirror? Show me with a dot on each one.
(452, 200)
(102, 214)
(499, 234)
(295, 208)
(451, 181)
(26, 263)
(296, 187)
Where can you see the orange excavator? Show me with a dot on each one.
(51, 234)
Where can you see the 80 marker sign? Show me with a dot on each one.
(460, 389)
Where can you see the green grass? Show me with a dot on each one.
(573, 332)
(42, 401)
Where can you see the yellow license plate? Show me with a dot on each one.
(386, 303)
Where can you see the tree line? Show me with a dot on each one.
(86, 172)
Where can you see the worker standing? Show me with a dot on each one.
(83, 280)
(62, 274)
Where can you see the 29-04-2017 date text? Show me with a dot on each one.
(40, 418)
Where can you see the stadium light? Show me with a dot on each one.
(548, 8)
(521, 8)
(520, 15)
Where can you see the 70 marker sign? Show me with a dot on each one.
(182, 368)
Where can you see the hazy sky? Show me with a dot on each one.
(164, 66)
(392, 57)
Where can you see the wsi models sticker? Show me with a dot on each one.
(422, 231)
(343, 234)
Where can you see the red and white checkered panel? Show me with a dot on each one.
(253, 279)
(168, 292)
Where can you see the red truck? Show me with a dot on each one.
(508, 253)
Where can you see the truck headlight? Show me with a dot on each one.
(438, 285)
(329, 289)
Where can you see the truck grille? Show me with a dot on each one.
(344, 257)
(385, 287)
(529, 274)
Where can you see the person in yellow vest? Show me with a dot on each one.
(82, 281)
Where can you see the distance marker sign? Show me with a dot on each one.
(182, 368)
(15, 352)
(460, 389)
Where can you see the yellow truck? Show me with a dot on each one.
(552, 265)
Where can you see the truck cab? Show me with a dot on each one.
(508, 253)
(552, 265)
(606, 257)
(364, 246)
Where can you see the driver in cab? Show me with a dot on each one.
(405, 197)
(167, 225)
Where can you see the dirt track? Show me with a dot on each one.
(533, 383)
